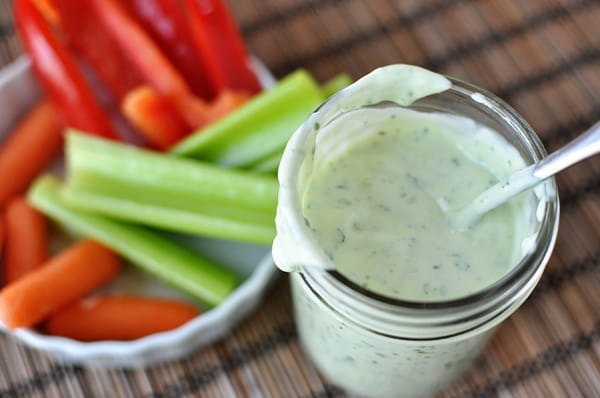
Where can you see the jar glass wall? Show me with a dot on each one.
(373, 364)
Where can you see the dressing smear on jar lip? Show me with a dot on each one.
(374, 186)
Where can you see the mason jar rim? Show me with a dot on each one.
(492, 297)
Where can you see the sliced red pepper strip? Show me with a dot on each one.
(167, 25)
(59, 74)
(145, 55)
(221, 46)
(154, 117)
(85, 35)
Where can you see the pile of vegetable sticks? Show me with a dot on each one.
(223, 144)
(152, 59)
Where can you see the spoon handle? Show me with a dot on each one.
(582, 147)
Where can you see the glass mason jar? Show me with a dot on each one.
(379, 346)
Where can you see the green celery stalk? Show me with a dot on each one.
(159, 256)
(335, 84)
(269, 164)
(182, 180)
(172, 219)
(258, 128)
(183, 195)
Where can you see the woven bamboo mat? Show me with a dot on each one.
(542, 56)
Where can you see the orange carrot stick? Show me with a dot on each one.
(154, 117)
(26, 239)
(119, 317)
(226, 102)
(48, 10)
(28, 149)
(62, 280)
(2, 234)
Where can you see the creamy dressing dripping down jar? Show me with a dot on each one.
(406, 324)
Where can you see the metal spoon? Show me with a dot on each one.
(581, 148)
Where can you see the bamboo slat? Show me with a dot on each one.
(543, 57)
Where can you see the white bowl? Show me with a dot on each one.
(18, 91)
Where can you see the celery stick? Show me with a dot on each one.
(335, 84)
(168, 261)
(260, 127)
(158, 190)
(269, 164)
(184, 183)
(208, 223)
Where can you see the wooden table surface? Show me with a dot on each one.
(543, 57)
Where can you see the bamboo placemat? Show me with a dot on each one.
(542, 56)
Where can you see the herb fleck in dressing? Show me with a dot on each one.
(377, 207)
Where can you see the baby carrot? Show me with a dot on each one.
(153, 116)
(1, 233)
(26, 239)
(28, 149)
(63, 279)
(119, 317)
(226, 102)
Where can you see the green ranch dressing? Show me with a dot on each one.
(378, 204)
(375, 184)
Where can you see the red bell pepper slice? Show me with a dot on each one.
(167, 25)
(145, 55)
(87, 39)
(221, 46)
(59, 74)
